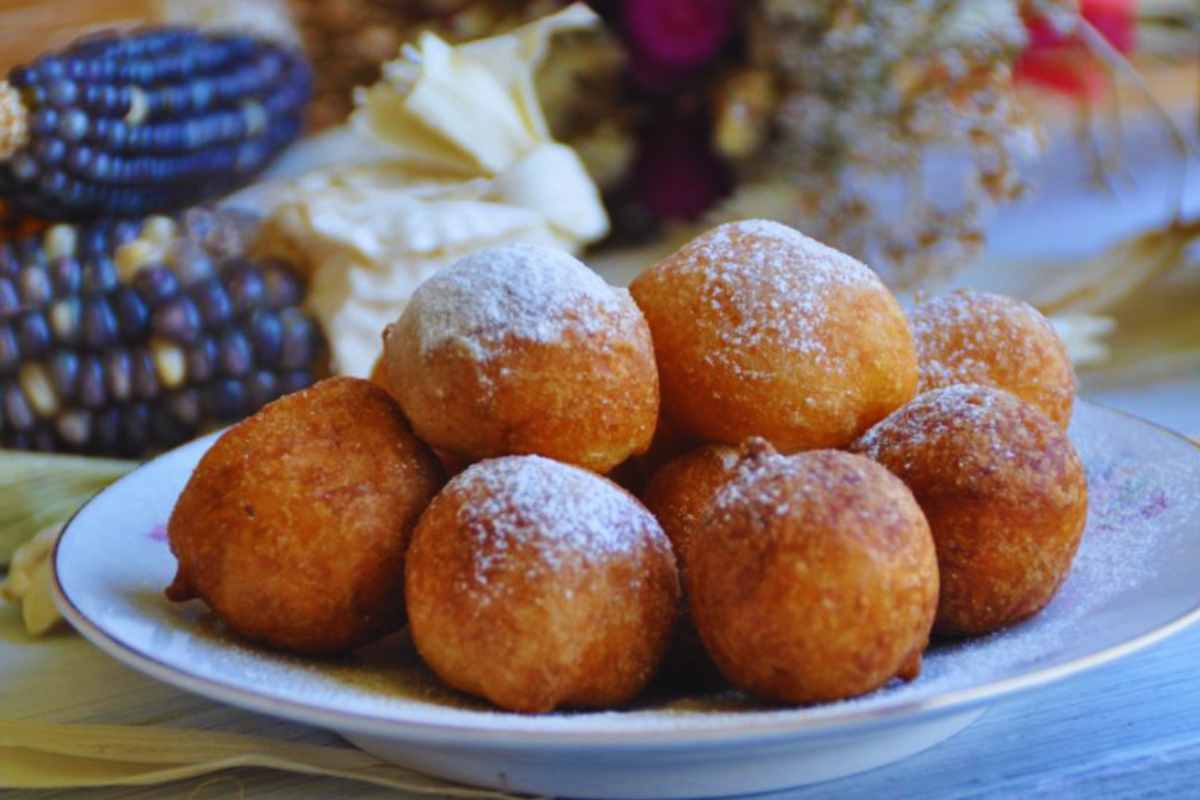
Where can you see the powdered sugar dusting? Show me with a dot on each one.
(514, 293)
(770, 482)
(563, 513)
(773, 284)
(960, 335)
(943, 412)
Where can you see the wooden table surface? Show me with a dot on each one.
(1123, 731)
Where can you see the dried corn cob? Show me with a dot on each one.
(126, 337)
(153, 121)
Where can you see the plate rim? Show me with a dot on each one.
(694, 733)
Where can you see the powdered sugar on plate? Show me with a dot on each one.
(514, 293)
(1134, 574)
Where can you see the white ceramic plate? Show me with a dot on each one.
(1133, 584)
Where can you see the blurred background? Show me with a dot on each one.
(1043, 148)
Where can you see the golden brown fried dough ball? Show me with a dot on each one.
(452, 464)
(536, 584)
(523, 349)
(761, 331)
(679, 496)
(816, 578)
(1005, 495)
(379, 376)
(668, 443)
(998, 341)
(294, 525)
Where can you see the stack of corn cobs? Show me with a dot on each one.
(134, 318)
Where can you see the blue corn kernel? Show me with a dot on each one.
(10, 351)
(98, 323)
(64, 374)
(202, 360)
(133, 315)
(156, 285)
(67, 275)
(178, 320)
(235, 354)
(92, 392)
(118, 375)
(33, 334)
(99, 275)
(10, 300)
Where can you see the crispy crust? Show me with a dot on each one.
(590, 400)
(451, 464)
(817, 578)
(1005, 495)
(728, 373)
(528, 633)
(294, 525)
(679, 496)
(998, 341)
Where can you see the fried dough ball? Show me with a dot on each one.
(451, 464)
(535, 585)
(1005, 495)
(379, 376)
(679, 493)
(994, 340)
(760, 331)
(816, 578)
(523, 349)
(668, 443)
(679, 496)
(294, 525)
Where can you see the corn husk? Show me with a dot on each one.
(1157, 333)
(30, 580)
(38, 490)
(1100, 283)
(39, 755)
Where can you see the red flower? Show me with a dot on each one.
(1114, 19)
(677, 176)
(1061, 63)
(675, 36)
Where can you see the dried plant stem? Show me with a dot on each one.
(1100, 164)
(1114, 61)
